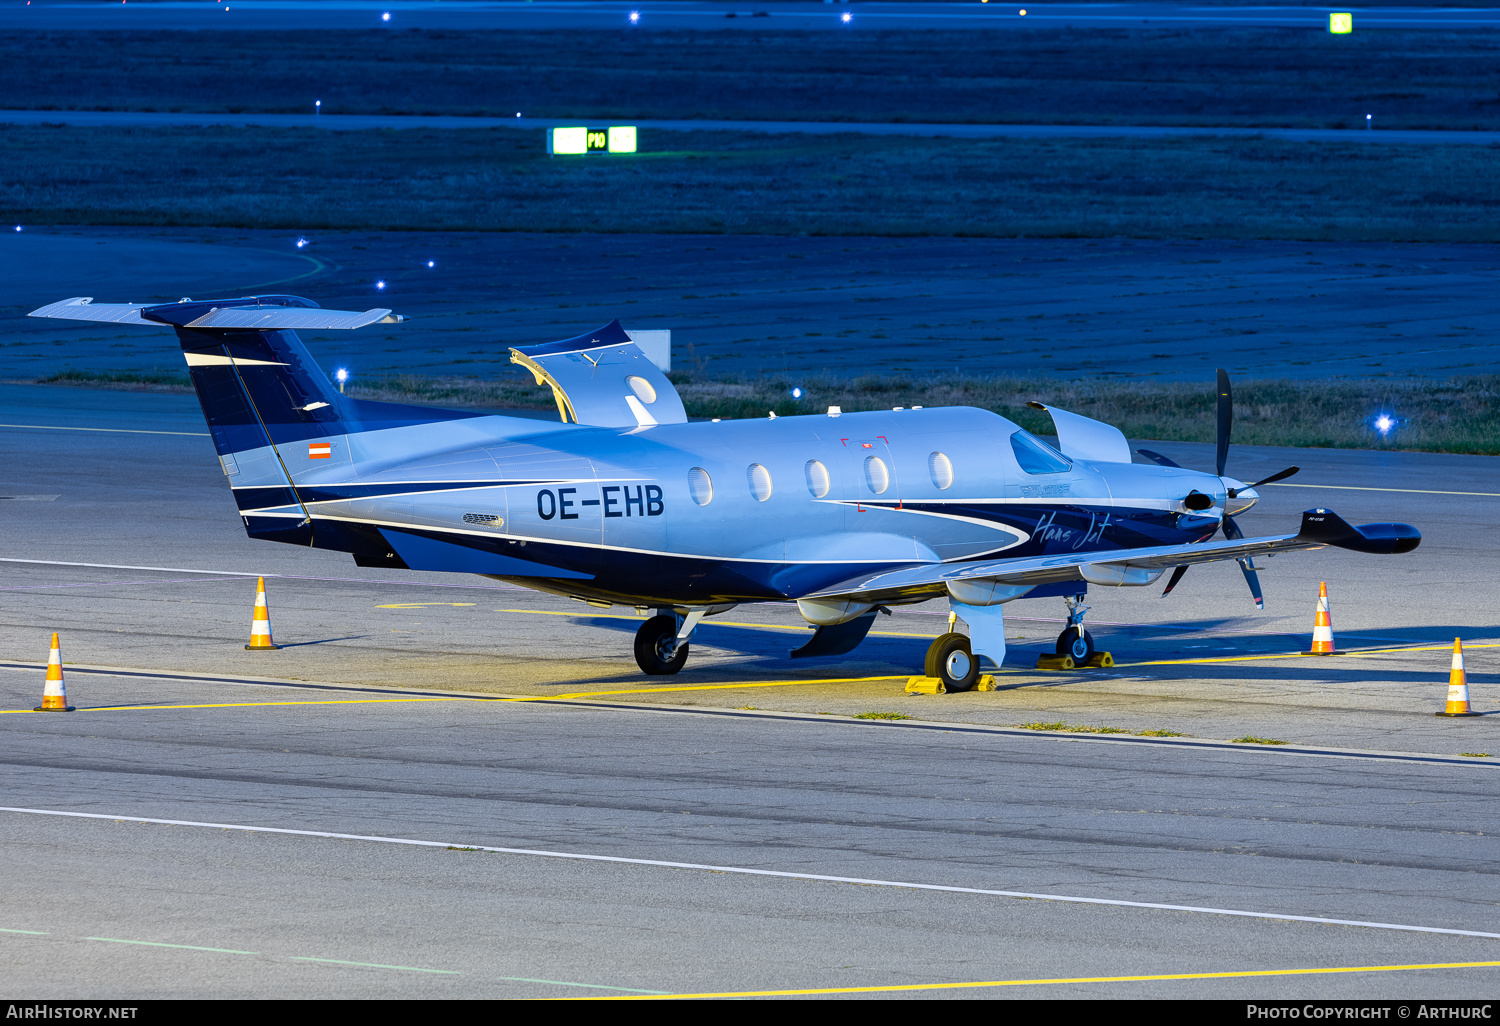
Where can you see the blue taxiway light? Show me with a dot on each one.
(380, 285)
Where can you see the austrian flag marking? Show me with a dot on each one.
(320, 450)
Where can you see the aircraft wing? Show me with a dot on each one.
(1320, 527)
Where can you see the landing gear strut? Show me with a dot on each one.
(1074, 640)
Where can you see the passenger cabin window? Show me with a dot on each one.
(941, 469)
(700, 486)
(760, 482)
(1036, 456)
(877, 476)
(817, 479)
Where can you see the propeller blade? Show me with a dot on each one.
(1252, 579)
(1172, 583)
(1247, 566)
(1225, 422)
(1283, 475)
(1158, 458)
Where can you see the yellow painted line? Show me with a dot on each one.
(1239, 974)
(1402, 491)
(704, 623)
(465, 698)
(418, 605)
(108, 431)
(1304, 655)
(712, 687)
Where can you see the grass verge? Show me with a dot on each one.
(881, 716)
(1457, 415)
(1250, 739)
(722, 182)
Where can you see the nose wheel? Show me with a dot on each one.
(1076, 642)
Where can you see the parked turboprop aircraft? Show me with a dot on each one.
(625, 502)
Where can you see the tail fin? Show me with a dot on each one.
(277, 421)
(275, 418)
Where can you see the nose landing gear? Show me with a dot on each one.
(1074, 640)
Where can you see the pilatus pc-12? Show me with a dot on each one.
(627, 503)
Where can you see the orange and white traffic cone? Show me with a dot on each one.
(1458, 685)
(260, 625)
(1322, 643)
(54, 694)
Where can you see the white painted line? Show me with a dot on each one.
(264, 573)
(126, 566)
(108, 431)
(780, 874)
(1400, 491)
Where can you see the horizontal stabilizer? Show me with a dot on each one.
(251, 313)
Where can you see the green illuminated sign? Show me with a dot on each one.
(615, 139)
(1341, 24)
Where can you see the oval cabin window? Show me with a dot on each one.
(877, 476)
(760, 482)
(941, 469)
(817, 479)
(642, 389)
(700, 486)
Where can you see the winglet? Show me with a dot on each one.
(1328, 528)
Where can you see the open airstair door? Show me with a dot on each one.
(603, 379)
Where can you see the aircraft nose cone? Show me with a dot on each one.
(1238, 496)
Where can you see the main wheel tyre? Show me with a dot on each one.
(1076, 642)
(950, 660)
(652, 643)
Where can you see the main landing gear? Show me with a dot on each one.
(951, 661)
(661, 644)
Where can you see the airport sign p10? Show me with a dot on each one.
(575, 140)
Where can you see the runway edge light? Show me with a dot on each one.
(1341, 24)
(1458, 685)
(260, 621)
(54, 692)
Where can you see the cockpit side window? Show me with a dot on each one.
(1036, 456)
